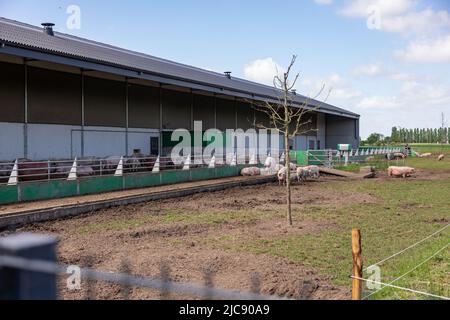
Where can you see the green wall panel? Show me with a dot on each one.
(202, 174)
(48, 190)
(227, 171)
(169, 177)
(301, 157)
(142, 180)
(54, 189)
(8, 194)
(100, 184)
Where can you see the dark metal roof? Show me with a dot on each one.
(18, 34)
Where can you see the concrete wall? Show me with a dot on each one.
(11, 141)
(340, 130)
(109, 141)
(48, 141)
(140, 139)
(303, 143)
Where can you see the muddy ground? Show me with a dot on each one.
(182, 234)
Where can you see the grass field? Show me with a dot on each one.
(433, 148)
(404, 214)
(413, 199)
(241, 231)
(381, 164)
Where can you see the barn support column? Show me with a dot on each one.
(25, 126)
(254, 126)
(235, 114)
(127, 118)
(192, 110)
(160, 120)
(215, 111)
(82, 113)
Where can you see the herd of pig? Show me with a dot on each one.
(301, 174)
(408, 171)
(428, 155)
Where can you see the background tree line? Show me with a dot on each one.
(417, 135)
(403, 135)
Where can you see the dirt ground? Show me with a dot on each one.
(185, 235)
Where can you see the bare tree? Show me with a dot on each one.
(288, 119)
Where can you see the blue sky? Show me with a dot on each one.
(386, 60)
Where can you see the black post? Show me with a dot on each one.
(19, 284)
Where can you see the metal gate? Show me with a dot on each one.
(324, 158)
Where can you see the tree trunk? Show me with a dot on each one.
(288, 178)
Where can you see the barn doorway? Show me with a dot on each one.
(154, 146)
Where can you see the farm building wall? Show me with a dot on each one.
(115, 119)
(202, 110)
(47, 91)
(341, 130)
(12, 91)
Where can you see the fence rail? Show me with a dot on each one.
(357, 274)
(12, 173)
(18, 171)
(331, 158)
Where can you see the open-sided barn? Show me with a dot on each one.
(64, 97)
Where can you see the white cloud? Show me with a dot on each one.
(413, 94)
(344, 93)
(404, 17)
(426, 51)
(402, 76)
(379, 102)
(417, 103)
(399, 16)
(369, 70)
(425, 93)
(361, 8)
(341, 90)
(262, 71)
(411, 100)
(323, 2)
(427, 21)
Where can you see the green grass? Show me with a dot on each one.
(430, 147)
(167, 217)
(379, 163)
(354, 167)
(428, 163)
(400, 212)
(406, 213)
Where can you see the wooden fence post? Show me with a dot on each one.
(357, 264)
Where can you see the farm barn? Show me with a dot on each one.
(64, 97)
